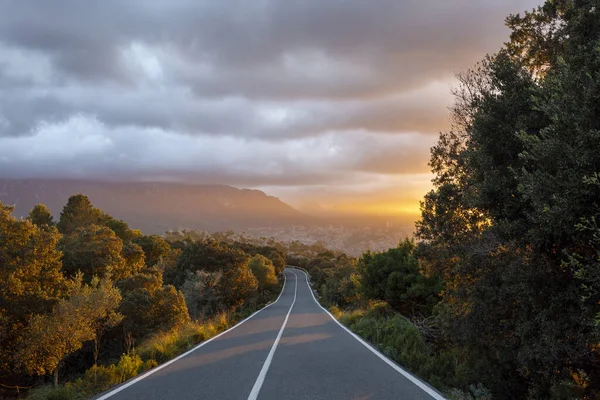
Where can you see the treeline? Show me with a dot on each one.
(89, 298)
(505, 279)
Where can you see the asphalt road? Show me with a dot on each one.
(292, 349)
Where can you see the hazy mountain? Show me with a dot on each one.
(156, 207)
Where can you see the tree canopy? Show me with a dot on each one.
(511, 222)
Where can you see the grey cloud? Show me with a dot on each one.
(399, 44)
(270, 92)
(83, 146)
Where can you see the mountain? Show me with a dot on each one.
(156, 207)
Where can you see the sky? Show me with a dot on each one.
(327, 104)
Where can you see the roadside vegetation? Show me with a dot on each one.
(87, 302)
(500, 296)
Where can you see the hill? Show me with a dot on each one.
(156, 207)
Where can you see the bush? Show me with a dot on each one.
(100, 377)
(167, 345)
(51, 393)
(399, 339)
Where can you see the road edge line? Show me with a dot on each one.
(265, 368)
(179, 357)
(422, 385)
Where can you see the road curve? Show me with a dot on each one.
(291, 349)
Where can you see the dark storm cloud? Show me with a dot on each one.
(266, 92)
(284, 45)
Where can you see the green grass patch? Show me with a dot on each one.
(399, 339)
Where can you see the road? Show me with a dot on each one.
(292, 349)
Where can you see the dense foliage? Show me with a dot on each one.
(511, 225)
(81, 293)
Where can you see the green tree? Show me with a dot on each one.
(94, 250)
(207, 255)
(237, 284)
(510, 224)
(148, 306)
(155, 248)
(49, 338)
(134, 259)
(264, 271)
(31, 280)
(120, 228)
(202, 294)
(342, 285)
(78, 212)
(273, 252)
(41, 216)
(394, 276)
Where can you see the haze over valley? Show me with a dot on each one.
(155, 207)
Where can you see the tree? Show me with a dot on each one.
(272, 252)
(41, 216)
(94, 250)
(50, 338)
(31, 280)
(155, 248)
(149, 306)
(207, 255)
(237, 284)
(342, 285)
(134, 259)
(169, 309)
(394, 276)
(120, 228)
(105, 298)
(78, 212)
(510, 224)
(264, 271)
(202, 294)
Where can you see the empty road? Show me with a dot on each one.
(291, 349)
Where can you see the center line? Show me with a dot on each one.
(263, 372)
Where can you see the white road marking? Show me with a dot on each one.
(263, 372)
(426, 388)
(179, 357)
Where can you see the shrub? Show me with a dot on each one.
(166, 345)
(100, 377)
(51, 393)
(399, 339)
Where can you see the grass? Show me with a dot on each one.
(396, 337)
(50, 393)
(167, 345)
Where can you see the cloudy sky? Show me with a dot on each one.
(332, 102)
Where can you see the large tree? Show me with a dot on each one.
(41, 216)
(96, 251)
(31, 280)
(148, 306)
(394, 276)
(155, 248)
(237, 283)
(510, 224)
(264, 271)
(50, 338)
(79, 212)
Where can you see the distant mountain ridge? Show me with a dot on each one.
(155, 207)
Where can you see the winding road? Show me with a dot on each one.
(291, 349)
